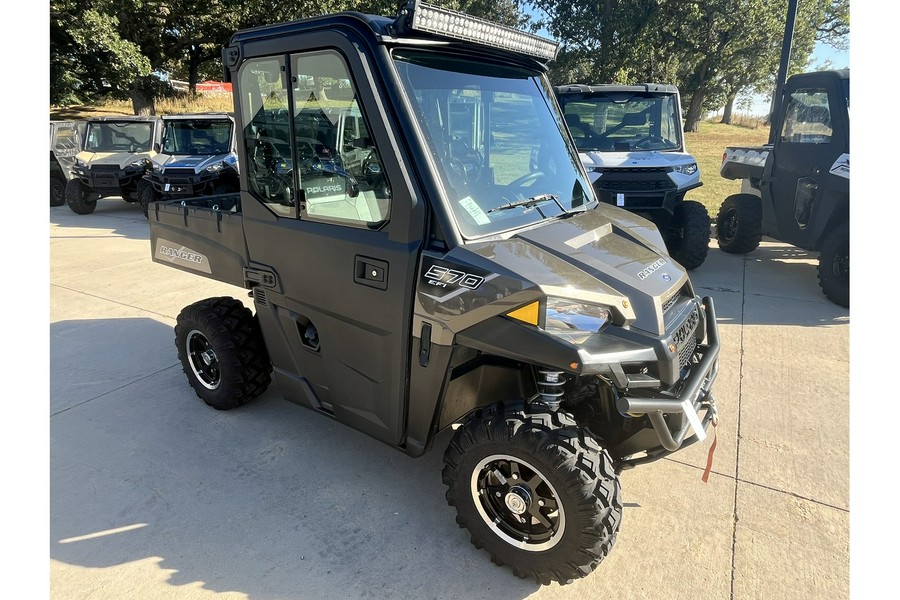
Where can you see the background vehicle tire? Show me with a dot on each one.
(834, 266)
(222, 352)
(57, 191)
(739, 224)
(146, 194)
(689, 240)
(533, 490)
(77, 197)
(224, 188)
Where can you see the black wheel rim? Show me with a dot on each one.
(729, 225)
(518, 503)
(56, 193)
(203, 360)
(840, 265)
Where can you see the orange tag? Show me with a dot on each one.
(709, 457)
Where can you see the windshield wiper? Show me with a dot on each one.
(529, 202)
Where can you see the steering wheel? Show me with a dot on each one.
(648, 140)
(464, 161)
(526, 179)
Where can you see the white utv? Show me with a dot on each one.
(629, 138)
(196, 158)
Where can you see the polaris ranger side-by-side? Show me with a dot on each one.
(197, 157)
(630, 139)
(65, 142)
(797, 189)
(460, 273)
(113, 158)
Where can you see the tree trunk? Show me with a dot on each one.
(193, 69)
(142, 101)
(729, 108)
(695, 111)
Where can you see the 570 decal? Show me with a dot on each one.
(443, 277)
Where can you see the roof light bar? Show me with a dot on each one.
(460, 26)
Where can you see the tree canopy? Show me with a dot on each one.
(713, 50)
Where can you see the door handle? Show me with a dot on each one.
(370, 272)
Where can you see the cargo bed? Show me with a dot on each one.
(203, 235)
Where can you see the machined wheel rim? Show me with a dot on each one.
(203, 360)
(840, 266)
(730, 225)
(518, 503)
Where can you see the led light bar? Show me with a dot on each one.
(460, 26)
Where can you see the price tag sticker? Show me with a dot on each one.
(620, 199)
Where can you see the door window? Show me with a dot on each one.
(807, 119)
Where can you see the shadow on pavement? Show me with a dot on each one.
(270, 500)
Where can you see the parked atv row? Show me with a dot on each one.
(141, 159)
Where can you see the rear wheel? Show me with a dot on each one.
(688, 242)
(57, 191)
(834, 266)
(739, 224)
(534, 490)
(78, 197)
(146, 194)
(222, 352)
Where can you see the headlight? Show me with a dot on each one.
(156, 167)
(688, 169)
(573, 320)
(79, 163)
(215, 168)
(141, 163)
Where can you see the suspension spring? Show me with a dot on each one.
(550, 384)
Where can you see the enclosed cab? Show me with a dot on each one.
(797, 189)
(630, 140)
(65, 142)
(197, 157)
(461, 274)
(114, 155)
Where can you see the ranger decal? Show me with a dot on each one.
(182, 256)
(650, 269)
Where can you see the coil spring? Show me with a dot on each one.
(550, 385)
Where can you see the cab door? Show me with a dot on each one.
(813, 135)
(335, 249)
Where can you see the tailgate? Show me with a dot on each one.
(202, 235)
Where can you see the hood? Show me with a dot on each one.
(119, 159)
(197, 162)
(605, 256)
(646, 159)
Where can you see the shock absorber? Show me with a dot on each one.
(550, 386)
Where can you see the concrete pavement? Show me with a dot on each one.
(155, 495)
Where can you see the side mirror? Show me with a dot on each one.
(157, 147)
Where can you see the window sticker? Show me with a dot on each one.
(473, 209)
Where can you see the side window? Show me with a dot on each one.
(339, 173)
(807, 119)
(267, 134)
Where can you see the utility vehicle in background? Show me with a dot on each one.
(630, 139)
(65, 141)
(457, 271)
(797, 188)
(197, 157)
(114, 155)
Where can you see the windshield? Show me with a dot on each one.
(119, 137)
(622, 121)
(203, 136)
(496, 139)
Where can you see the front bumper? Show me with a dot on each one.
(110, 180)
(182, 184)
(690, 405)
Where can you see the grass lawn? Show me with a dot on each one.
(707, 145)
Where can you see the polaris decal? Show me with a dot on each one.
(650, 269)
(181, 255)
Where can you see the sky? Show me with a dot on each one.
(840, 59)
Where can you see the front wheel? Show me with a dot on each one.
(222, 352)
(78, 198)
(534, 490)
(146, 194)
(834, 266)
(739, 224)
(689, 239)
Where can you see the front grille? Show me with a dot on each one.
(631, 170)
(673, 299)
(685, 354)
(180, 172)
(105, 168)
(632, 185)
